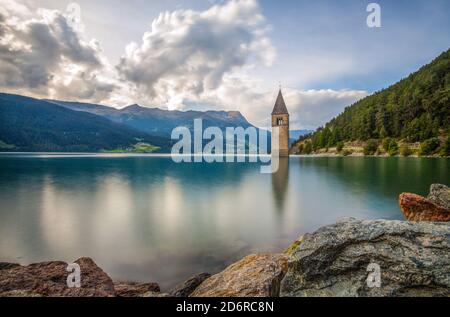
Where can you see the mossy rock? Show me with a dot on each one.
(294, 246)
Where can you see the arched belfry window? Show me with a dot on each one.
(280, 121)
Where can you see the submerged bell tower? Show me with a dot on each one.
(280, 121)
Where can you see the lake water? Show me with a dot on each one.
(146, 218)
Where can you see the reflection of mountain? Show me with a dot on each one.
(170, 220)
(377, 182)
(280, 182)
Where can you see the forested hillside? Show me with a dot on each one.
(416, 109)
(28, 124)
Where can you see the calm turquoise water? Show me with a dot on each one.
(146, 218)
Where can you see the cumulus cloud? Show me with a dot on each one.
(313, 108)
(187, 53)
(43, 55)
(308, 109)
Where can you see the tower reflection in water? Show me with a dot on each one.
(280, 182)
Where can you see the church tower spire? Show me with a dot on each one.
(280, 105)
(280, 121)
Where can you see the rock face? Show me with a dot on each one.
(126, 289)
(440, 195)
(414, 260)
(254, 276)
(5, 265)
(186, 288)
(418, 208)
(436, 207)
(50, 279)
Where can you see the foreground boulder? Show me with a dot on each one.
(418, 208)
(127, 289)
(436, 207)
(254, 276)
(186, 288)
(50, 279)
(5, 265)
(414, 260)
(440, 195)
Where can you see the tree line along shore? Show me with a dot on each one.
(434, 147)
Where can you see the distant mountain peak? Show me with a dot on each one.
(235, 114)
(133, 107)
(157, 121)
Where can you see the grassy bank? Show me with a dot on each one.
(137, 148)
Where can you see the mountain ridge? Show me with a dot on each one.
(29, 124)
(158, 121)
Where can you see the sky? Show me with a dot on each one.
(217, 55)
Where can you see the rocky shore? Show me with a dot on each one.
(435, 207)
(408, 258)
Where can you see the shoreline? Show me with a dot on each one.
(331, 155)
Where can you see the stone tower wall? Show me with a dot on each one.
(284, 133)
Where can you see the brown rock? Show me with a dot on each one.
(186, 288)
(155, 294)
(254, 276)
(126, 289)
(5, 265)
(50, 279)
(19, 293)
(418, 208)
